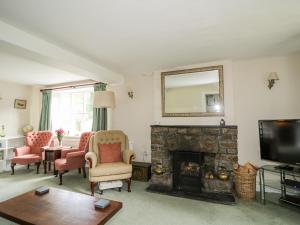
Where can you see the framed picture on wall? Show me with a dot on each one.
(20, 104)
(212, 102)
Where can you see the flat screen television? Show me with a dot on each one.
(280, 140)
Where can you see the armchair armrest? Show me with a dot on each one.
(75, 158)
(91, 158)
(22, 150)
(128, 156)
(75, 154)
(66, 151)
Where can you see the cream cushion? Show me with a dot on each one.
(115, 168)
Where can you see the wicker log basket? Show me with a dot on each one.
(245, 181)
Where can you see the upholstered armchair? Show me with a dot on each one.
(108, 171)
(36, 142)
(73, 158)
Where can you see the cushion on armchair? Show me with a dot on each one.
(109, 153)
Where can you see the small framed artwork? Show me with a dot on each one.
(20, 104)
(212, 102)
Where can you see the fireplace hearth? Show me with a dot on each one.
(187, 155)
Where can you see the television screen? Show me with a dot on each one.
(280, 140)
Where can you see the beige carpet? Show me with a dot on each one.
(144, 208)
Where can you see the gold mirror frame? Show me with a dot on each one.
(187, 71)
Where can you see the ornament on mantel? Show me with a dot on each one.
(222, 123)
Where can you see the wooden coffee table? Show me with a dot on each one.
(58, 207)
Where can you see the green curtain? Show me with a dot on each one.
(45, 119)
(99, 114)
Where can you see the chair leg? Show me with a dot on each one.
(79, 170)
(45, 166)
(84, 172)
(28, 165)
(128, 184)
(60, 178)
(12, 165)
(38, 167)
(93, 185)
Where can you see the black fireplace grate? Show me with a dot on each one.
(187, 171)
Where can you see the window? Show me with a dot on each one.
(72, 110)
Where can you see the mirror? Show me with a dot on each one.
(193, 92)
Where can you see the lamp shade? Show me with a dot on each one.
(273, 76)
(104, 99)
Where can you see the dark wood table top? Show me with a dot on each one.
(57, 207)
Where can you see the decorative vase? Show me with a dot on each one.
(2, 131)
(60, 137)
(223, 174)
(159, 170)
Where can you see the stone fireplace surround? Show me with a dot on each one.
(217, 144)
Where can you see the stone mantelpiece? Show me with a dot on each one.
(219, 145)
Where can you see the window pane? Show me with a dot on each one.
(77, 124)
(72, 110)
(77, 102)
(88, 121)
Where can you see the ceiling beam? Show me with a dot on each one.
(27, 45)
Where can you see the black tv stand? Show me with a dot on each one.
(289, 180)
(285, 167)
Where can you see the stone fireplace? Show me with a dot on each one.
(188, 154)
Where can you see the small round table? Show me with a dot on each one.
(51, 154)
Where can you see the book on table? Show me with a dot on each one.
(102, 204)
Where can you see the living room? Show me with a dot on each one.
(134, 47)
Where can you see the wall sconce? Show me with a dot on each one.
(130, 93)
(271, 78)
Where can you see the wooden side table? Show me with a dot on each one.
(141, 171)
(51, 154)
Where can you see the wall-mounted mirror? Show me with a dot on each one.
(193, 92)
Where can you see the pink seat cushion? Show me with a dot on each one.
(26, 159)
(61, 164)
(109, 153)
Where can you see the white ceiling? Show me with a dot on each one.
(14, 68)
(137, 36)
(192, 79)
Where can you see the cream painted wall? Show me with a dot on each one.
(189, 98)
(254, 101)
(134, 116)
(35, 106)
(14, 119)
(247, 99)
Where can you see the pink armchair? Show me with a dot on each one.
(73, 158)
(36, 142)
